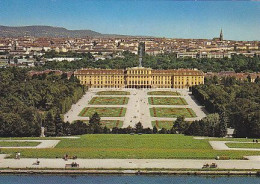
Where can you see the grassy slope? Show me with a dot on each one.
(132, 146)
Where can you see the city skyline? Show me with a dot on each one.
(171, 19)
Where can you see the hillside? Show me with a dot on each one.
(44, 31)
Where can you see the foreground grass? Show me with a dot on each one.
(244, 145)
(158, 146)
(18, 144)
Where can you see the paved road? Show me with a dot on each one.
(130, 163)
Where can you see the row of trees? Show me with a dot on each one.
(237, 63)
(213, 126)
(238, 101)
(25, 100)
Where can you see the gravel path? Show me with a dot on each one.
(221, 145)
(130, 163)
(43, 143)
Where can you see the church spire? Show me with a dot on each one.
(221, 35)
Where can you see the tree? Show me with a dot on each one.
(223, 124)
(58, 125)
(249, 78)
(94, 123)
(50, 125)
(138, 127)
(180, 125)
(155, 130)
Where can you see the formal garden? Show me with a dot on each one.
(103, 111)
(167, 101)
(172, 112)
(162, 124)
(113, 93)
(110, 123)
(166, 93)
(109, 101)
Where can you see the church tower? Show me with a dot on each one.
(221, 36)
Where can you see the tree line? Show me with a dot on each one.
(236, 102)
(25, 101)
(237, 63)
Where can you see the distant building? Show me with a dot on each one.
(139, 77)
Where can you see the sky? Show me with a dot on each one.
(240, 20)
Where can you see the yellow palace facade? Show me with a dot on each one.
(139, 77)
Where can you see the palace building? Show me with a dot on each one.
(139, 77)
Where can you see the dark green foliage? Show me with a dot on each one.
(139, 127)
(223, 122)
(155, 130)
(180, 125)
(208, 126)
(78, 128)
(58, 125)
(94, 124)
(49, 124)
(29, 99)
(236, 102)
(237, 63)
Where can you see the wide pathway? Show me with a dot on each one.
(129, 163)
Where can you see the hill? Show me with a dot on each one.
(44, 31)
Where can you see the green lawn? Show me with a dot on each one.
(170, 93)
(172, 112)
(133, 147)
(113, 93)
(162, 124)
(18, 144)
(103, 111)
(244, 145)
(167, 101)
(109, 101)
(110, 123)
